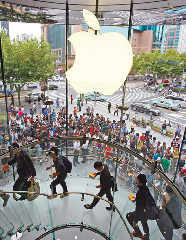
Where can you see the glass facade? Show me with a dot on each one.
(159, 35)
(56, 39)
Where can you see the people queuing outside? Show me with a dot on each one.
(28, 127)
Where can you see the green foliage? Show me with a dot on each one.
(169, 62)
(3, 117)
(177, 89)
(27, 61)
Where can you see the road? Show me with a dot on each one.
(133, 94)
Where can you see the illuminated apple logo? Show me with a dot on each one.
(102, 62)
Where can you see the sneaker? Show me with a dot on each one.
(110, 209)
(64, 195)
(88, 206)
(52, 197)
(6, 200)
(22, 198)
(137, 235)
(15, 197)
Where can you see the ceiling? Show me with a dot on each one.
(111, 12)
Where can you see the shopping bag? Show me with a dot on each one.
(164, 131)
(34, 187)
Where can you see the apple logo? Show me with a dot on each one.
(102, 62)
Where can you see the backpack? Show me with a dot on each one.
(67, 164)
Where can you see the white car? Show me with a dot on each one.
(33, 96)
(56, 78)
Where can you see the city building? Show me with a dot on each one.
(148, 38)
(5, 27)
(55, 36)
(25, 36)
(182, 40)
(172, 37)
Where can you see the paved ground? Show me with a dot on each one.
(135, 92)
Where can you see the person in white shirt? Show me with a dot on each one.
(148, 129)
(22, 109)
(123, 118)
(127, 113)
(76, 152)
(154, 144)
(63, 106)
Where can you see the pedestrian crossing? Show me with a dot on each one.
(131, 95)
(128, 89)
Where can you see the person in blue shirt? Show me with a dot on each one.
(157, 155)
(178, 131)
(148, 177)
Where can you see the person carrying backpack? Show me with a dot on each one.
(60, 174)
(145, 209)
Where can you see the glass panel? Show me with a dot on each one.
(45, 212)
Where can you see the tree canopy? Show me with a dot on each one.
(27, 61)
(167, 63)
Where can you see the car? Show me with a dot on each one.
(31, 85)
(145, 108)
(53, 87)
(99, 97)
(165, 80)
(32, 96)
(165, 103)
(9, 93)
(177, 100)
(56, 78)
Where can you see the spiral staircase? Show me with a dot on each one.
(66, 218)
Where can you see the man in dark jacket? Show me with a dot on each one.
(60, 174)
(145, 207)
(25, 170)
(105, 185)
(170, 218)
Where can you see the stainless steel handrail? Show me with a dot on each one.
(152, 166)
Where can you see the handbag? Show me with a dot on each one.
(34, 187)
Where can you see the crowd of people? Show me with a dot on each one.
(40, 125)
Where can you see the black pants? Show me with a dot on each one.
(18, 182)
(101, 193)
(59, 180)
(131, 217)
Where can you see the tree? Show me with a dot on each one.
(164, 64)
(27, 61)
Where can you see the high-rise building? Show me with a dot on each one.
(25, 36)
(5, 27)
(182, 40)
(172, 36)
(149, 38)
(55, 36)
